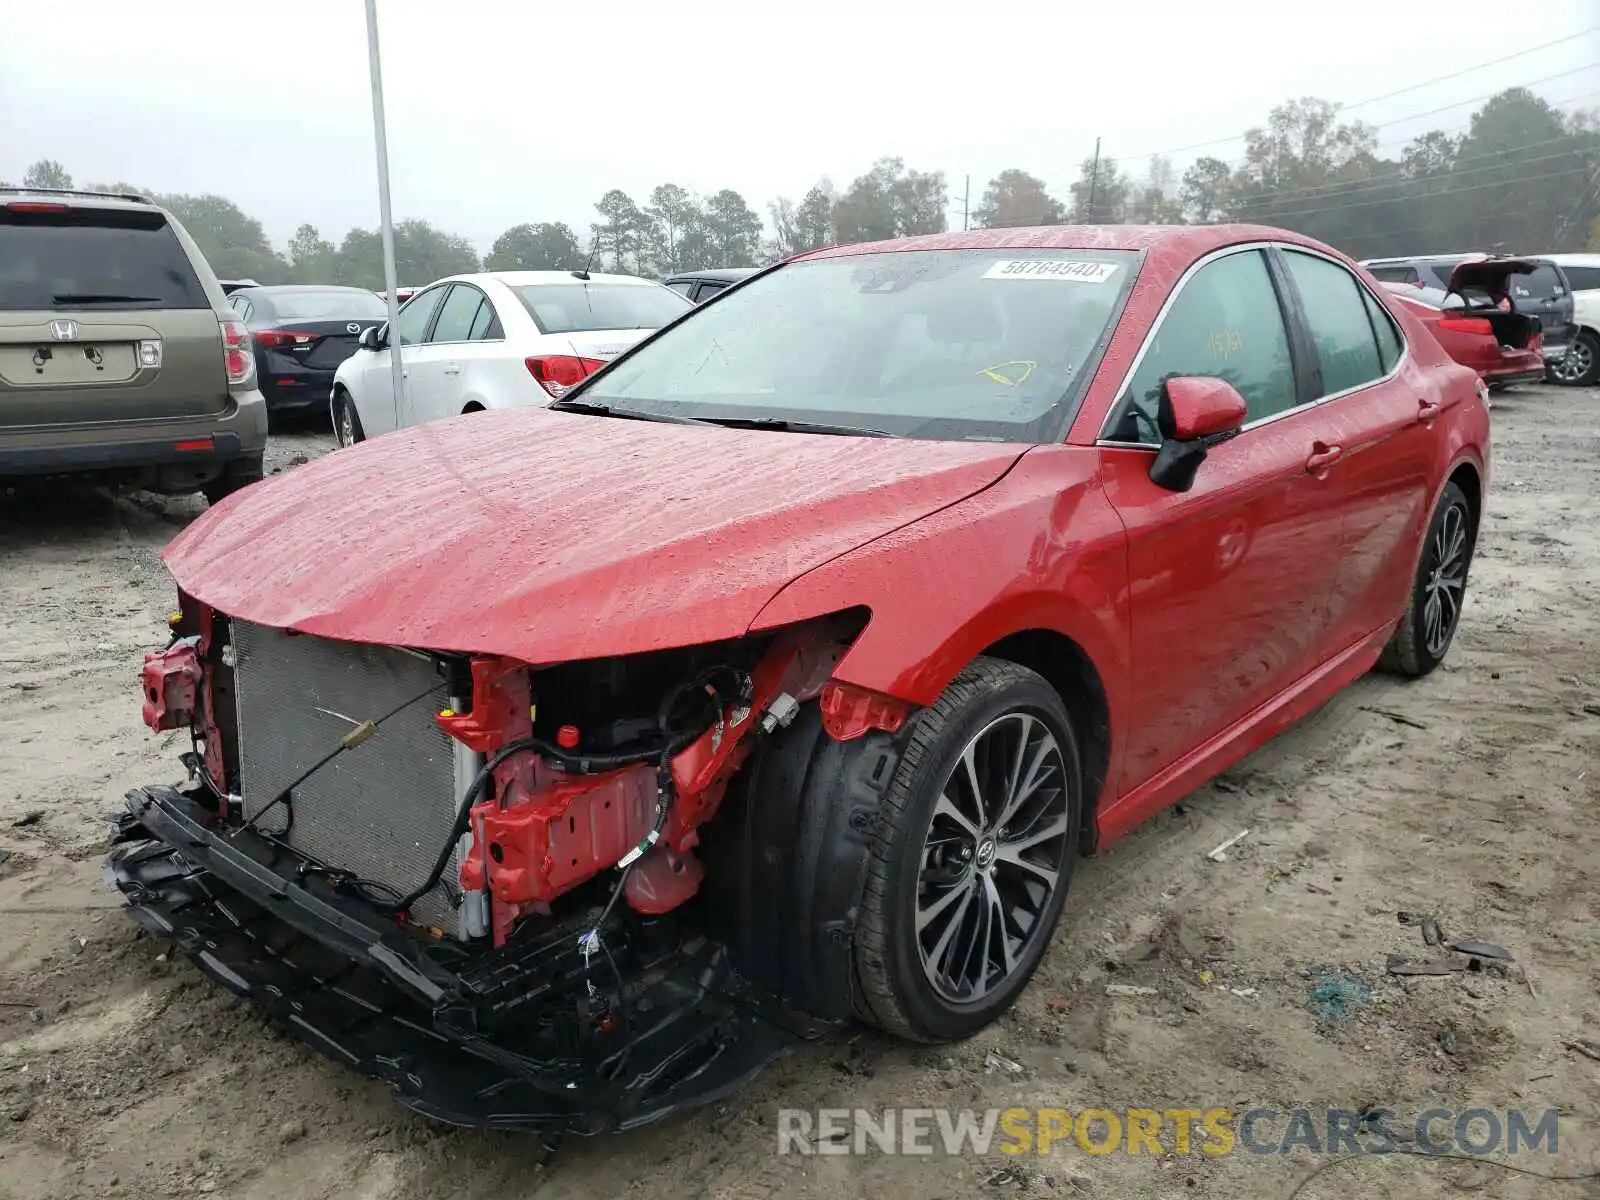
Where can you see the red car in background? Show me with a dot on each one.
(1476, 322)
(564, 766)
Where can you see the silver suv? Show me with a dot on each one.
(119, 356)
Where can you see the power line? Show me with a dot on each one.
(1376, 99)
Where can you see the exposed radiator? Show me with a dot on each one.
(381, 810)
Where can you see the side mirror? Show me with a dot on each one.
(373, 337)
(1196, 411)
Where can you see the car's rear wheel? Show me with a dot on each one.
(347, 429)
(1424, 634)
(240, 473)
(1581, 366)
(971, 857)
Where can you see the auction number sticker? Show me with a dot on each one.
(1052, 268)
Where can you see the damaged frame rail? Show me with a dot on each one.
(517, 1038)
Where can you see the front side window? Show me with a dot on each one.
(945, 344)
(413, 320)
(1340, 324)
(708, 290)
(682, 286)
(1226, 323)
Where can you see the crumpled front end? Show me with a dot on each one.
(473, 879)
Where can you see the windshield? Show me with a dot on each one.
(932, 343)
(330, 305)
(84, 258)
(579, 307)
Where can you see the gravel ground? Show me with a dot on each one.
(1471, 795)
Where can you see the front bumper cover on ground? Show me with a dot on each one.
(496, 1039)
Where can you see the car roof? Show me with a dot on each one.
(527, 278)
(716, 274)
(1191, 239)
(1402, 259)
(1577, 259)
(76, 198)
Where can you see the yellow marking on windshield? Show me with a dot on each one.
(997, 372)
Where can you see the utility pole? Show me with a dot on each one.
(966, 195)
(385, 212)
(1094, 177)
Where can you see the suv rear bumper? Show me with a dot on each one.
(66, 450)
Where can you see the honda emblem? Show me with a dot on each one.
(64, 331)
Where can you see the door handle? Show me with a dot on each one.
(452, 368)
(1427, 410)
(1323, 456)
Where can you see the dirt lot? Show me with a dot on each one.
(1471, 796)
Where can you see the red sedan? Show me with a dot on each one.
(564, 766)
(1475, 324)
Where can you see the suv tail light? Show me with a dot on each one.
(236, 352)
(274, 338)
(557, 373)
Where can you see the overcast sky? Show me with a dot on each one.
(503, 111)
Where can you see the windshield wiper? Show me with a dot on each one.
(630, 414)
(789, 426)
(102, 298)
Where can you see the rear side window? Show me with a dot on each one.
(1336, 313)
(459, 314)
(1584, 279)
(1389, 341)
(89, 258)
(1396, 274)
(579, 307)
(1226, 323)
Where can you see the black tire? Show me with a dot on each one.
(1582, 366)
(346, 420)
(897, 992)
(1416, 647)
(240, 473)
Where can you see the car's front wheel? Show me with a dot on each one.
(347, 429)
(1438, 591)
(1581, 366)
(972, 856)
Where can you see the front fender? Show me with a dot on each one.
(1041, 549)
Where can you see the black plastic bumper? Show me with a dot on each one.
(495, 1039)
(112, 456)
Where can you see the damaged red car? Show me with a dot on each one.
(563, 767)
(1477, 323)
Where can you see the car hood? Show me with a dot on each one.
(548, 536)
(1488, 274)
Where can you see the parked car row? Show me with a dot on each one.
(1561, 290)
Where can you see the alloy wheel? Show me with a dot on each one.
(1447, 580)
(345, 422)
(993, 857)
(1576, 364)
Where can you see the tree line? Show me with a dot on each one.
(1520, 175)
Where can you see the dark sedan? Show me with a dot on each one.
(301, 333)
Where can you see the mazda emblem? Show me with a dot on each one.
(353, 327)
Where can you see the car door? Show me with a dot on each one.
(376, 398)
(1229, 580)
(436, 377)
(1378, 411)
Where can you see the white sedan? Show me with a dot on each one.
(494, 339)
